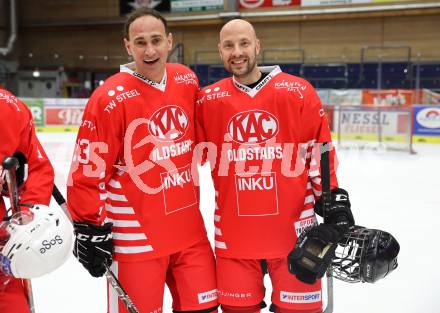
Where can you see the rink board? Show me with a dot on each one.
(370, 137)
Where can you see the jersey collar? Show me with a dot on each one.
(129, 68)
(272, 70)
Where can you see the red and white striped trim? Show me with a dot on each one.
(220, 244)
(133, 249)
(117, 197)
(129, 236)
(114, 183)
(218, 231)
(307, 213)
(119, 209)
(123, 223)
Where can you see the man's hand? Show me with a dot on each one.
(339, 212)
(93, 246)
(21, 173)
(313, 252)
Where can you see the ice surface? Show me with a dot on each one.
(392, 191)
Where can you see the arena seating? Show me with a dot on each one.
(350, 75)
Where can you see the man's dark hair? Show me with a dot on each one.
(139, 13)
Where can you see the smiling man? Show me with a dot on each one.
(131, 194)
(148, 42)
(267, 123)
(241, 63)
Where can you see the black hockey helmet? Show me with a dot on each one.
(365, 255)
(380, 256)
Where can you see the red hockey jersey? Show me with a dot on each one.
(18, 134)
(264, 174)
(132, 163)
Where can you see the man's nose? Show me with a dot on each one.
(236, 51)
(149, 50)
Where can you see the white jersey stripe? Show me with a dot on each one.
(317, 192)
(102, 196)
(316, 180)
(310, 142)
(217, 218)
(119, 209)
(130, 236)
(218, 231)
(134, 249)
(307, 213)
(124, 223)
(117, 197)
(309, 199)
(314, 173)
(220, 244)
(114, 183)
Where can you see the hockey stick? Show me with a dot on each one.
(10, 165)
(111, 277)
(326, 200)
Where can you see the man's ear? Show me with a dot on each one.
(170, 41)
(257, 46)
(219, 51)
(127, 46)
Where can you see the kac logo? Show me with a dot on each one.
(255, 126)
(168, 123)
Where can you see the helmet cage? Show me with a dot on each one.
(6, 227)
(349, 255)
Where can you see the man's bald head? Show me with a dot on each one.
(238, 26)
(239, 48)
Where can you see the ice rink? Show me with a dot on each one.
(393, 191)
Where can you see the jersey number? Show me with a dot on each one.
(83, 155)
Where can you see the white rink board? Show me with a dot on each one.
(394, 191)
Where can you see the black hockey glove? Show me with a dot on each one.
(21, 172)
(313, 252)
(339, 212)
(93, 246)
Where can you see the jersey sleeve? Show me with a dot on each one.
(16, 125)
(9, 129)
(316, 131)
(96, 152)
(200, 128)
(198, 113)
(39, 185)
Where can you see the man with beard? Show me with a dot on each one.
(131, 195)
(272, 122)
